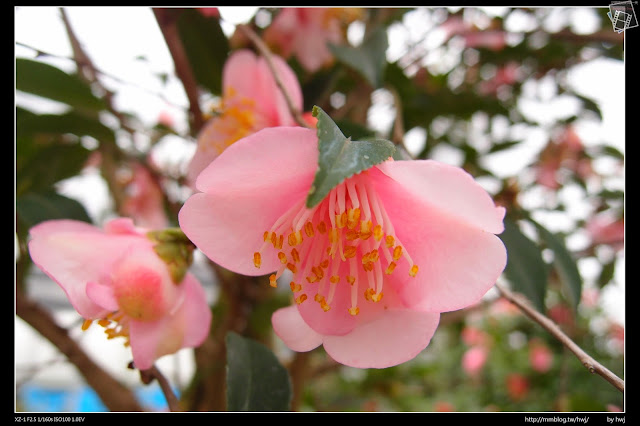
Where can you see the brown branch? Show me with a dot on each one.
(114, 395)
(167, 21)
(266, 53)
(591, 364)
(147, 376)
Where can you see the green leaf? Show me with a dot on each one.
(340, 158)
(369, 59)
(525, 270)
(206, 47)
(69, 123)
(256, 381)
(45, 80)
(564, 264)
(33, 208)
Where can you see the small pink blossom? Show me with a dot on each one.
(113, 276)
(494, 40)
(564, 151)
(606, 229)
(474, 359)
(472, 336)
(420, 233)
(144, 200)
(540, 356)
(305, 32)
(251, 101)
(517, 386)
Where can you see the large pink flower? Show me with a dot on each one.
(251, 101)
(115, 277)
(372, 265)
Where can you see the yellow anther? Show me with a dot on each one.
(376, 297)
(354, 311)
(365, 229)
(274, 239)
(266, 235)
(283, 258)
(351, 279)
(104, 322)
(318, 298)
(325, 306)
(312, 279)
(86, 324)
(374, 255)
(390, 241)
(333, 235)
(352, 234)
(257, 259)
(280, 242)
(301, 298)
(322, 227)
(324, 264)
(368, 266)
(295, 238)
(368, 293)
(295, 287)
(308, 229)
(413, 271)
(377, 232)
(397, 252)
(292, 267)
(353, 216)
(341, 220)
(272, 281)
(335, 279)
(349, 252)
(295, 255)
(390, 268)
(318, 272)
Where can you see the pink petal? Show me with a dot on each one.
(103, 296)
(393, 338)
(245, 190)
(294, 332)
(448, 189)
(195, 311)
(74, 253)
(458, 261)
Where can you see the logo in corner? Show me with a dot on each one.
(622, 15)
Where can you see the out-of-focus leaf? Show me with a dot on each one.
(45, 80)
(256, 381)
(564, 264)
(369, 59)
(39, 168)
(206, 47)
(69, 123)
(525, 270)
(33, 208)
(340, 157)
(607, 273)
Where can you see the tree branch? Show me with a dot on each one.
(147, 376)
(114, 395)
(167, 21)
(266, 53)
(591, 364)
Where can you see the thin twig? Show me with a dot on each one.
(591, 364)
(167, 21)
(147, 376)
(266, 53)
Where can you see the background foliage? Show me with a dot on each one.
(461, 83)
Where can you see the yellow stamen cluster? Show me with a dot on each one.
(115, 324)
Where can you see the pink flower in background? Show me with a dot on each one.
(494, 40)
(472, 336)
(540, 356)
(115, 278)
(213, 12)
(305, 32)
(517, 386)
(144, 200)
(474, 359)
(563, 151)
(251, 101)
(372, 265)
(608, 230)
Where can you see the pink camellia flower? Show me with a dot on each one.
(474, 359)
(251, 101)
(114, 277)
(144, 200)
(420, 233)
(540, 356)
(606, 229)
(305, 32)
